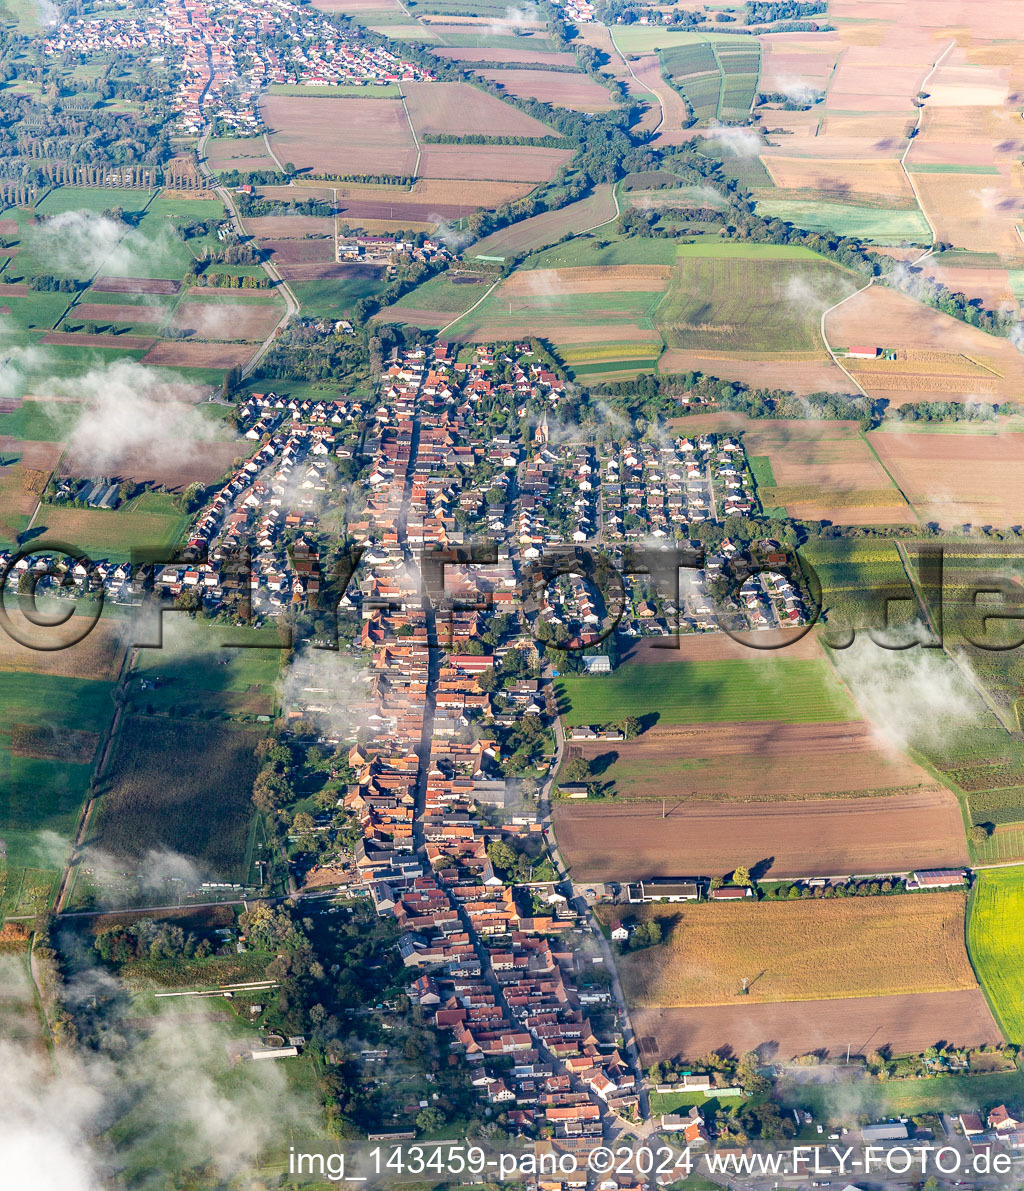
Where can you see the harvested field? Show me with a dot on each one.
(789, 61)
(496, 163)
(178, 354)
(344, 136)
(893, 320)
(283, 227)
(796, 372)
(225, 320)
(22, 484)
(674, 115)
(811, 838)
(597, 279)
(891, 945)
(329, 271)
(76, 339)
(958, 478)
(720, 647)
(300, 252)
(98, 655)
(193, 462)
(48, 742)
(841, 179)
(486, 54)
(992, 285)
(539, 231)
(906, 1024)
(975, 212)
(238, 153)
(768, 762)
(101, 312)
(465, 110)
(576, 91)
(427, 199)
(600, 334)
(824, 471)
(135, 285)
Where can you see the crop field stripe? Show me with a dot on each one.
(995, 942)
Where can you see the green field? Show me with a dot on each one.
(152, 521)
(761, 470)
(730, 299)
(207, 670)
(604, 249)
(549, 314)
(539, 231)
(995, 940)
(874, 224)
(792, 691)
(645, 39)
(333, 298)
(941, 1093)
(38, 794)
(441, 294)
(935, 167)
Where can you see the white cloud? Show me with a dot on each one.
(132, 413)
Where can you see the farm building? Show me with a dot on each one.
(972, 1124)
(885, 1131)
(729, 893)
(860, 352)
(664, 891)
(937, 878)
(574, 790)
(598, 664)
(589, 732)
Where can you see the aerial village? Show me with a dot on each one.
(456, 748)
(228, 53)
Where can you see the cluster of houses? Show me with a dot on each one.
(384, 250)
(579, 12)
(999, 1126)
(227, 52)
(652, 490)
(492, 962)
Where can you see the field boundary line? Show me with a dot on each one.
(460, 317)
(892, 479)
(415, 138)
(910, 144)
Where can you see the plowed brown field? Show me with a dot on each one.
(764, 762)
(906, 1024)
(828, 837)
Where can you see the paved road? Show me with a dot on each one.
(282, 287)
(608, 957)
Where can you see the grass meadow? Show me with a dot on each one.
(789, 690)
